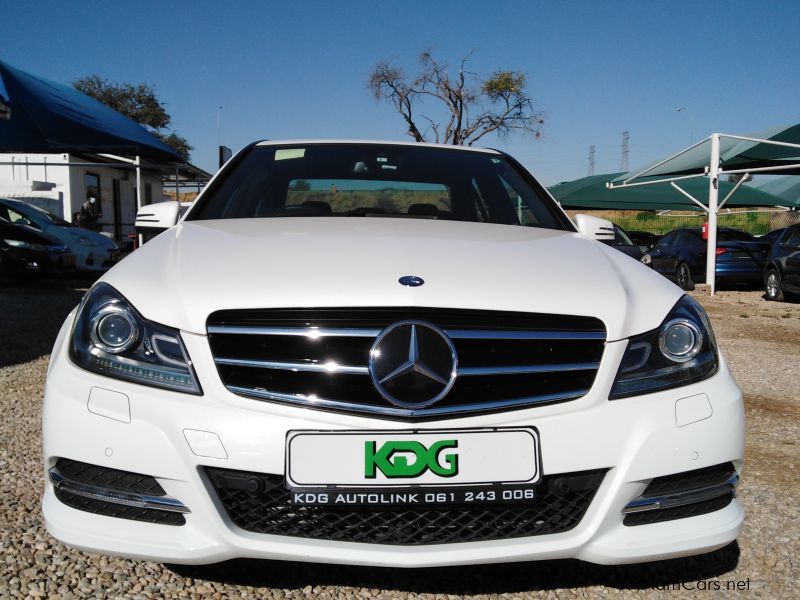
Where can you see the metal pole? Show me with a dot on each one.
(713, 195)
(177, 186)
(138, 164)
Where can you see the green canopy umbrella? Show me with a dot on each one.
(786, 188)
(735, 153)
(591, 193)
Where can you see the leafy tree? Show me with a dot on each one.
(470, 107)
(138, 102)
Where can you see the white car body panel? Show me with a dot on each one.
(296, 262)
(198, 267)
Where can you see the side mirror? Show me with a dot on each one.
(155, 218)
(595, 228)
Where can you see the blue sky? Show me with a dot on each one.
(299, 69)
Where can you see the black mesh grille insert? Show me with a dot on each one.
(123, 481)
(113, 479)
(690, 480)
(260, 503)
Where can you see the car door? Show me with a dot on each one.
(790, 249)
(661, 256)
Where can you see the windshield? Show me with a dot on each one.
(34, 212)
(373, 180)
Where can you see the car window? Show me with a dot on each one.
(342, 180)
(666, 242)
(18, 218)
(620, 238)
(792, 237)
(734, 235)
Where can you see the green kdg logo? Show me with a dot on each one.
(408, 458)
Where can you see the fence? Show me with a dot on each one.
(756, 221)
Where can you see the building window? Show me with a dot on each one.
(93, 186)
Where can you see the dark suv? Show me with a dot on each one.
(782, 273)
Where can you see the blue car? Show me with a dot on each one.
(782, 273)
(681, 256)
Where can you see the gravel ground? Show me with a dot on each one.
(761, 341)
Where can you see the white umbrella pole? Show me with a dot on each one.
(138, 164)
(713, 196)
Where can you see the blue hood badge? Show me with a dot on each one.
(411, 281)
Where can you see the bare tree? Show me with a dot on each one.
(472, 107)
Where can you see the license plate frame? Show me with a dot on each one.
(429, 490)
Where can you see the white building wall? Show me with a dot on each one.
(61, 189)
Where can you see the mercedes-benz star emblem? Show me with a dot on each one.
(413, 364)
(411, 281)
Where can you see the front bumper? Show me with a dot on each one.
(636, 439)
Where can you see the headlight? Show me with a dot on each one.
(25, 245)
(111, 338)
(681, 351)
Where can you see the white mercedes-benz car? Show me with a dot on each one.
(387, 354)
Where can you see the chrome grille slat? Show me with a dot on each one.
(311, 332)
(290, 366)
(522, 369)
(502, 334)
(317, 358)
(358, 370)
(393, 411)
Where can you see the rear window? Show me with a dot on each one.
(734, 235)
(373, 180)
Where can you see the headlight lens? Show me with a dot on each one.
(111, 338)
(681, 351)
(25, 245)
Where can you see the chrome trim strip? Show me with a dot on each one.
(390, 411)
(500, 334)
(643, 503)
(312, 332)
(521, 369)
(95, 492)
(456, 334)
(329, 367)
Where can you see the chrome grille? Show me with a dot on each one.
(318, 357)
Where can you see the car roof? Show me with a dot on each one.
(308, 142)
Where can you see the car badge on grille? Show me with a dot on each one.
(413, 364)
(411, 281)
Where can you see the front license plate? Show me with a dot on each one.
(389, 467)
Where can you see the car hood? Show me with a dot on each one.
(93, 236)
(197, 267)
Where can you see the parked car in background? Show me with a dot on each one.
(27, 254)
(624, 244)
(782, 272)
(93, 252)
(772, 237)
(644, 239)
(681, 256)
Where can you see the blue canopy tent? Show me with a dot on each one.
(41, 116)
